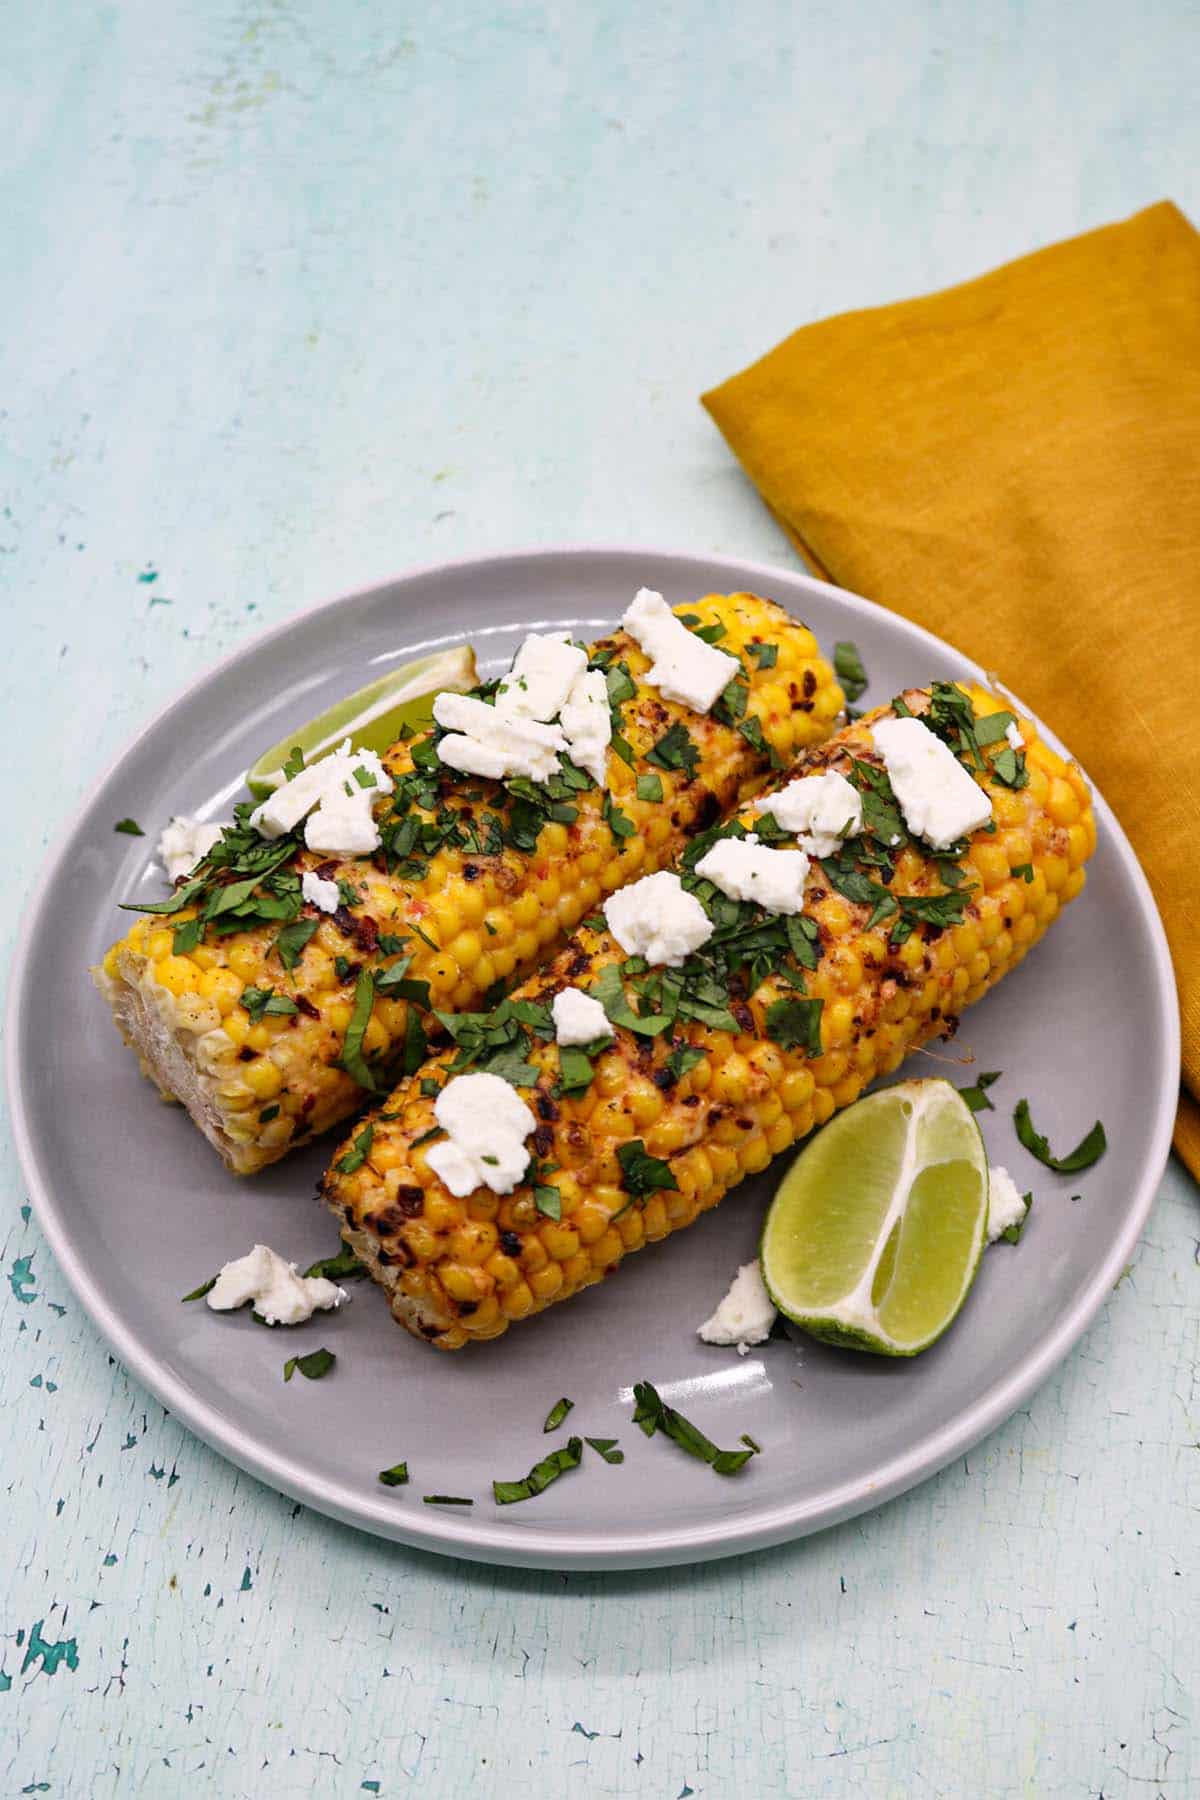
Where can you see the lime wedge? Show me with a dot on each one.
(874, 1236)
(374, 717)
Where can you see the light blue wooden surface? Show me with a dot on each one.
(294, 296)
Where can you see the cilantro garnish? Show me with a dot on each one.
(1012, 1233)
(620, 683)
(848, 667)
(619, 823)
(312, 1366)
(675, 750)
(129, 827)
(765, 655)
(396, 984)
(1024, 870)
(976, 1097)
(352, 1059)
(199, 1293)
(1089, 1150)
(357, 1155)
(751, 729)
(416, 1044)
(795, 1024)
(557, 1414)
(446, 1500)
(187, 936)
(498, 1041)
(292, 940)
(649, 787)
(641, 1173)
(258, 1002)
(396, 1476)
(506, 1493)
(653, 1415)
(345, 1266)
(682, 1058)
(607, 1448)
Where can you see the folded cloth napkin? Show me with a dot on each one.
(1015, 464)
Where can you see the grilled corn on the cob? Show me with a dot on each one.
(888, 970)
(254, 1049)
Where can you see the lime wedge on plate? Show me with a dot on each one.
(374, 717)
(875, 1234)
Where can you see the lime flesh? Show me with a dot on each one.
(374, 717)
(874, 1236)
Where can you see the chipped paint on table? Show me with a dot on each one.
(297, 295)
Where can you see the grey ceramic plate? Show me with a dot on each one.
(139, 1210)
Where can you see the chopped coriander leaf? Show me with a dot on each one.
(199, 1293)
(609, 989)
(1008, 767)
(1089, 1150)
(294, 764)
(675, 750)
(345, 1266)
(446, 1500)
(397, 984)
(751, 729)
(619, 823)
(976, 1096)
(641, 1173)
(390, 944)
(426, 1137)
(258, 1002)
(348, 893)
(425, 937)
(352, 1059)
(607, 1448)
(1012, 1233)
(292, 940)
(574, 1069)
(848, 667)
(649, 787)
(129, 827)
(416, 1045)
(750, 1443)
(731, 701)
(652, 1415)
(681, 1059)
(557, 1414)
(187, 936)
(992, 728)
(357, 1155)
(268, 1113)
(312, 1366)
(1024, 870)
(429, 1086)
(506, 1493)
(364, 778)
(396, 1476)
(765, 655)
(595, 922)
(623, 748)
(621, 685)
(795, 1024)
(547, 1199)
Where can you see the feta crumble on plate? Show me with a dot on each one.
(1005, 1205)
(280, 1295)
(746, 1314)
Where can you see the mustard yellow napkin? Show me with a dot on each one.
(1015, 464)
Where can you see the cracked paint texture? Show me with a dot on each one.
(296, 296)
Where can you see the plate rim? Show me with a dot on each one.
(572, 1547)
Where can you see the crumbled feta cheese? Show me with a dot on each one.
(657, 918)
(578, 1019)
(746, 1314)
(486, 742)
(683, 667)
(821, 810)
(543, 672)
(183, 842)
(586, 718)
(747, 870)
(339, 809)
(486, 1123)
(1012, 734)
(1005, 1205)
(938, 797)
(280, 1295)
(320, 893)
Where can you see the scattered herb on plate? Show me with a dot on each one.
(1087, 1151)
